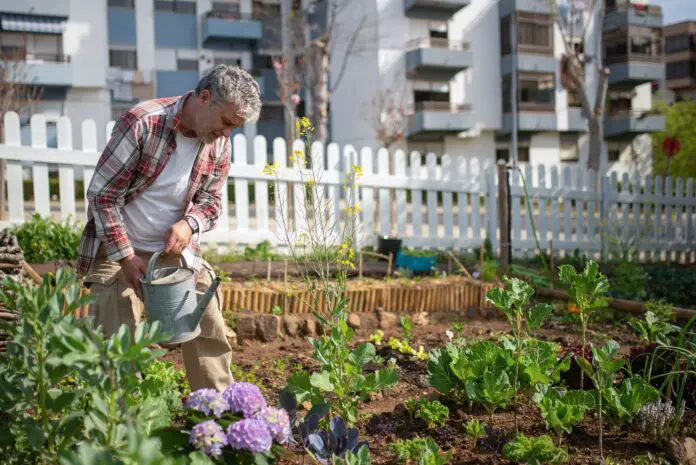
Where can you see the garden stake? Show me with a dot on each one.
(553, 264)
(462, 267)
(481, 262)
(268, 274)
(389, 266)
(285, 304)
(360, 265)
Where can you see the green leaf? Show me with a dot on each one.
(300, 385)
(57, 400)
(362, 354)
(381, 379)
(322, 380)
(537, 314)
(35, 434)
(441, 376)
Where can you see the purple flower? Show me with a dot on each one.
(206, 401)
(208, 437)
(245, 398)
(251, 434)
(278, 423)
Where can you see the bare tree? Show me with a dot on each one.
(315, 31)
(388, 116)
(15, 95)
(573, 63)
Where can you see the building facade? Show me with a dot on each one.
(454, 65)
(680, 58)
(95, 58)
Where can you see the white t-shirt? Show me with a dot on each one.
(148, 217)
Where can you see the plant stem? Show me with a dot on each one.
(601, 449)
(582, 354)
(518, 353)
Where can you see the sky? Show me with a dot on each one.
(675, 11)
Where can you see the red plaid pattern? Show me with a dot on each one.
(141, 143)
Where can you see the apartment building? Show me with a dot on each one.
(680, 58)
(96, 58)
(456, 66)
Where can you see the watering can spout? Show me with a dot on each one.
(198, 312)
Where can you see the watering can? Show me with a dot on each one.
(171, 298)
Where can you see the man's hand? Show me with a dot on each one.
(178, 237)
(133, 268)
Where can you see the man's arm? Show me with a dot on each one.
(111, 179)
(207, 202)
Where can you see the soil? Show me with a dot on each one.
(384, 418)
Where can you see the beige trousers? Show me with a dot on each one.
(206, 359)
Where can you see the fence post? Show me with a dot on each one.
(491, 208)
(604, 216)
(504, 215)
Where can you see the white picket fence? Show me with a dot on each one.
(447, 202)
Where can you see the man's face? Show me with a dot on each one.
(215, 119)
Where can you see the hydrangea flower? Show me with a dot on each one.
(208, 437)
(245, 398)
(278, 423)
(206, 401)
(252, 434)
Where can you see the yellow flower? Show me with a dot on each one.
(310, 183)
(357, 171)
(354, 210)
(271, 169)
(303, 126)
(297, 155)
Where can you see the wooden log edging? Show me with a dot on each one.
(631, 306)
(438, 295)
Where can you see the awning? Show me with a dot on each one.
(32, 23)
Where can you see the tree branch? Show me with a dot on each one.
(344, 63)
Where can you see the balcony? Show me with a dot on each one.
(633, 73)
(532, 117)
(434, 59)
(48, 70)
(506, 7)
(437, 119)
(224, 27)
(439, 10)
(628, 124)
(634, 15)
(529, 63)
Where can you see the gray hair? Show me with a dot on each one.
(233, 84)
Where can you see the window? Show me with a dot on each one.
(681, 69)
(569, 148)
(646, 41)
(121, 3)
(176, 6)
(125, 59)
(186, 65)
(505, 42)
(226, 8)
(271, 113)
(537, 89)
(523, 154)
(613, 155)
(502, 154)
(227, 61)
(535, 33)
(679, 43)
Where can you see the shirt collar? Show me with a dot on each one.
(175, 120)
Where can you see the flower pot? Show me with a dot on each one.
(416, 263)
(387, 245)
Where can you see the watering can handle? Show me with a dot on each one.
(151, 266)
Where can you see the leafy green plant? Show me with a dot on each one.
(662, 309)
(623, 403)
(62, 382)
(651, 328)
(422, 451)
(405, 348)
(562, 409)
(161, 379)
(411, 252)
(433, 412)
(277, 311)
(407, 327)
(45, 239)
(475, 430)
(539, 363)
(534, 451)
(586, 291)
(512, 302)
(262, 252)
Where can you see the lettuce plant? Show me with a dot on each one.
(534, 451)
(433, 412)
(562, 409)
(422, 451)
(475, 430)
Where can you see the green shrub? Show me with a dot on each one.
(45, 239)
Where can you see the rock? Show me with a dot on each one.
(309, 327)
(369, 322)
(375, 396)
(291, 325)
(354, 320)
(421, 319)
(246, 328)
(231, 336)
(682, 451)
(268, 328)
(387, 320)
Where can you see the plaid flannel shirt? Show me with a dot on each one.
(141, 143)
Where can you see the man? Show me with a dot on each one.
(158, 186)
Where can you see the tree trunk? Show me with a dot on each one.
(321, 94)
(595, 131)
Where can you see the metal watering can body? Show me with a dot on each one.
(171, 298)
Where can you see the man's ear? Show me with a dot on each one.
(205, 97)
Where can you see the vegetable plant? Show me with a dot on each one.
(407, 327)
(534, 451)
(512, 302)
(433, 412)
(623, 403)
(44, 239)
(651, 328)
(475, 430)
(338, 445)
(562, 409)
(421, 451)
(587, 291)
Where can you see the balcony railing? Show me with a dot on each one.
(654, 10)
(436, 42)
(230, 15)
(445, 107)
(35, 57)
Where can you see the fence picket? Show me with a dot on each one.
(477, 171)
(333, 157)
(678, 222)
(555, 210)
(401, 208)
(385, 209)
(592, 187)
(543, 240)
(88, 130)
(515, 185)
(42, 196)
(299, 161)
(66, 172)
(368, 195)
(261, 187)
(462, 197)
(567, 184)
(416, 201)
(658, 227)
(431, 195)
(241, 189)
(281, 188)
(580, 207)
(690, 211)
(447, 210)
(15, 185)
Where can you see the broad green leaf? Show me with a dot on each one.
(57, 400)
(322, 380)
(362, 354)
(381, 379)
(441, 376)
(537, 314)
(35, 434)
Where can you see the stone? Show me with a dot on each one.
(291, 325)
(421, 319)
(375, 396)
(387, 320)
(246, 328)
(682, 451)
(354, 320)
(369, 322)
(268, 328)
(309, 327)
(231, 336)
